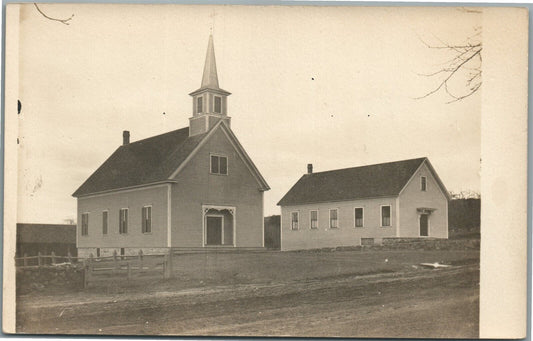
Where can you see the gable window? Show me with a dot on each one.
(358, 217)
(218, 105)
(423, 183)
(333, 220)
(314, 219)
(199, 104)
(147, 219)
(219, 165)
(385, 215)
(104, 222)
(294, 220)
(85, 224)
(123, 221)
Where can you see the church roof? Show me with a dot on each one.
(142, 162)
(155, 160)
(372, 181)
(210, 76)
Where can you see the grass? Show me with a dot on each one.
(365, 293)
(215, 269)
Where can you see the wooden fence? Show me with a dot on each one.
(106, 269)
(44, 260)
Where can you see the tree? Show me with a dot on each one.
(466, 194)
(460, 77)
(63, 21)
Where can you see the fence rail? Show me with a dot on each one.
(107, 268)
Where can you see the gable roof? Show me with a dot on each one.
(150, 161)
(380, 180)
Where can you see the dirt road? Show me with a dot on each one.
(441, 303)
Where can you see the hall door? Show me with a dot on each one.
(424, 225)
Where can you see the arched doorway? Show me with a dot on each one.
(219, 225)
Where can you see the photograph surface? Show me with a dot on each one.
(248, 170)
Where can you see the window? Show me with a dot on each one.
(385, 215)
(147, 219)
(314, 219)
(218, 105)
(85, 224)
(123, 221)
(104, 222)
(358, 217)
(294, 220)
(199, 105)
(219, 164)
(333, 221)
(423, 183)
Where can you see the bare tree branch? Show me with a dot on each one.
(467, 59)
(63, 21)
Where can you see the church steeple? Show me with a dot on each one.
(209, 101)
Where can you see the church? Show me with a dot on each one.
(191, 188)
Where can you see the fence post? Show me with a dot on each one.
(25, 259)
(91, 257)
(39, 259)
(140, 261)
(115, 261)
(53, 257)
(87, 273)
(69, 256)
(168, 264)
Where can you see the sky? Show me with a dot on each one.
(331, 86)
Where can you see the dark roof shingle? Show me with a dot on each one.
(385, 179)
(142, 162)
(46, 233)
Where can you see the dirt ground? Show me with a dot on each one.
(334, 294)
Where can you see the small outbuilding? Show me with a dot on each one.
(45, 238)
(364, 205)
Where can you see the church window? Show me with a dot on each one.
(147, 219)
(199, 105)
(219, 164)
(85, 224)
(123, 221)
(218, 104)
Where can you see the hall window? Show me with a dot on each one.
(294, 220)
(333, 219)
(385, 215)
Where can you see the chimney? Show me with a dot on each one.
(309, 168)
(125, 137)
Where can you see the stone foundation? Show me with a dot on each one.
(431, 243)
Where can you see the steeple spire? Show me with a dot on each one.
(209, 102)
(210, 77)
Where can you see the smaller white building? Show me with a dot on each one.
(355, 206)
